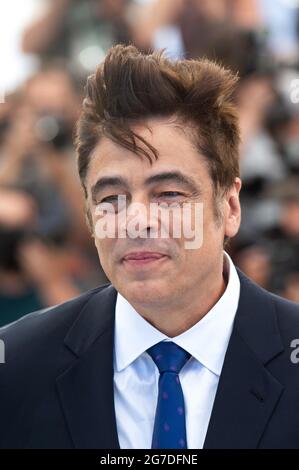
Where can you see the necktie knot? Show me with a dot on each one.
(168, 356)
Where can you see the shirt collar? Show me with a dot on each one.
(206, 341)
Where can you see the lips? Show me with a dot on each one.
(143, 255)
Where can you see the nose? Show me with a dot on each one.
(140, 221)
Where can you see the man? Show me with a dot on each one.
(181, 350)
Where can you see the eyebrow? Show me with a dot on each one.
(174, 176)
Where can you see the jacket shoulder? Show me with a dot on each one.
(38, 327)
(287, 313)
(286, 310)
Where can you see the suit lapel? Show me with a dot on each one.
(247, 393)
(86, 388)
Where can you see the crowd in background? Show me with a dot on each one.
(46, 253)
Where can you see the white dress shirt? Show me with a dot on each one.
(136, 376)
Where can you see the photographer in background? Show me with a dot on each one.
(37, 166)
(77, 31)
(33, 274)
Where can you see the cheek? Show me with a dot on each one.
(104, 249)
(212, 226)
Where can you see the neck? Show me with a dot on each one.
(184, 312)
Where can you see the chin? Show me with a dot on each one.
(145, 291)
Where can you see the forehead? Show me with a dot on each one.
(176, 151)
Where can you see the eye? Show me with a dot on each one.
(113, 203)
(113, 198)
(171, 194)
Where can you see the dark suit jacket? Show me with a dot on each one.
(56, 387)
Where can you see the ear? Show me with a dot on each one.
(233, 209)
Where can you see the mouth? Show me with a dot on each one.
(141, 259)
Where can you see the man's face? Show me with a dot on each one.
(157, 267)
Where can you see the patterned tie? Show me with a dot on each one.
(170, 427)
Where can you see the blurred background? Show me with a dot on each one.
(49, 47)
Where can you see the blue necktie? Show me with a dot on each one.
(170, 426)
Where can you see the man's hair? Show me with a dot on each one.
(130, 87)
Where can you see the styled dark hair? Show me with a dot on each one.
(130, 87)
